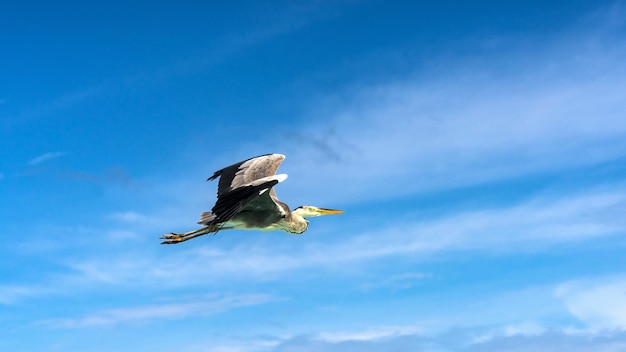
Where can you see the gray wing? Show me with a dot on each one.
(244, 172)
(242, 183)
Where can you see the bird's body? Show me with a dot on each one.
(246, 200)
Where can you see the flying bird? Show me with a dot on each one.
(246, 200)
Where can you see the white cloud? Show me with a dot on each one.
(248, 345)
(511, 330)
(122, 235)
(130, 216)
(529, 319)
(398, 281)
(599, 303)
(130, 223)
(45, 157)
(370, 334)
(550, 341)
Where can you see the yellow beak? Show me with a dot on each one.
(323, 211)
(311, 211)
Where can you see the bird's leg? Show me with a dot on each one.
(173, 238)
(172, 234)
(183, 239)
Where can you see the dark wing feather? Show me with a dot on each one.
(244, 172)
(262, 211)
(231, 203)
(241, 183)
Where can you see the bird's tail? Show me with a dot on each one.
(207, 218)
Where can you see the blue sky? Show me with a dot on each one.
(477, 148)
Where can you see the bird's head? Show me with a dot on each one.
(308, 211)
(297, 224)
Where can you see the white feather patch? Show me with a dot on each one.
(280, 177)
(262, 180)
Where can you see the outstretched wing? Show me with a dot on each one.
(241, 183)
(244, 172)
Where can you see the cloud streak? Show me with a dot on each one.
(45, 157)
(532, 328)
(535, 225)
(146, 314)
(11, 294)
(525, 339)
(372, 334)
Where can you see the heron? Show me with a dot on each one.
(246, 200)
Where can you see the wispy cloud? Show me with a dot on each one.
(45, 157)
(370, 334)
(130, 216)
(526, 336)
(553, 341)
(535, 225)
(456, 340)
(60, 103)
(467, 124)
(398, 281)
(114, 175)
(509, 321)
(512, 330)
(11, 294)
(146, 314)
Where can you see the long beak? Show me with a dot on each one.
(311, 211)
(323, 211)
